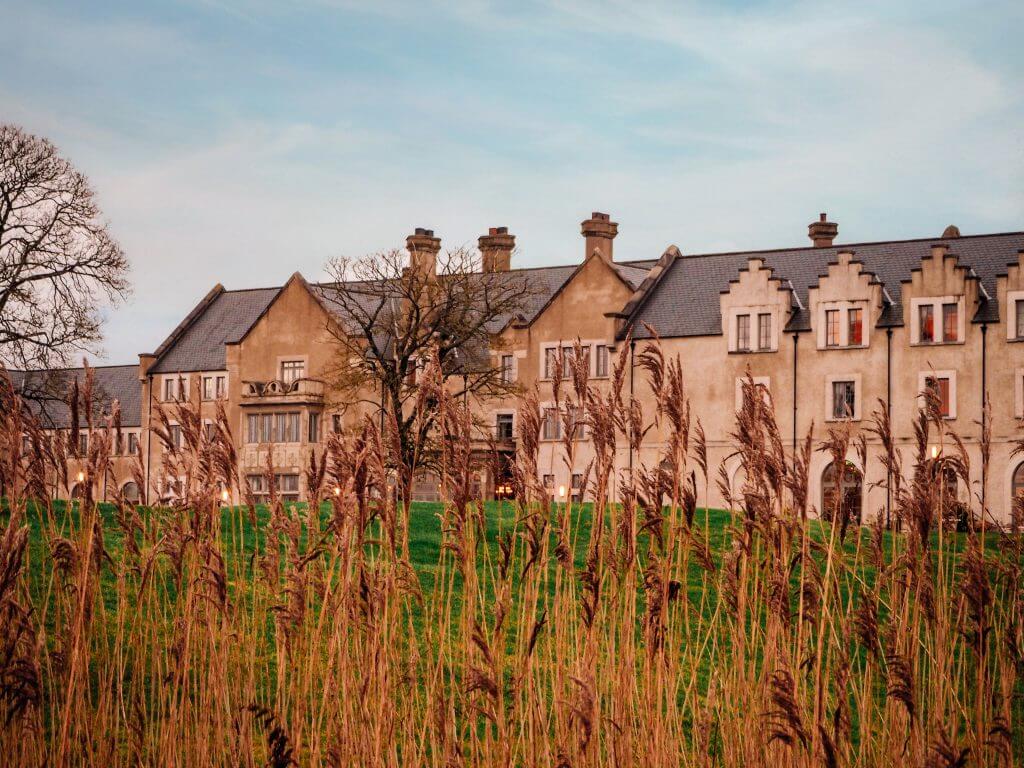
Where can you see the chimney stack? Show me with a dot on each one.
(423, 248)
(496, 249)
(822, 232)
(599, 231)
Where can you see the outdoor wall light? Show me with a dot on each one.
(337, 490)
(224, 495)
(561, 491)
(81, 476)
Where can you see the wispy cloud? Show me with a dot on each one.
(239, 141)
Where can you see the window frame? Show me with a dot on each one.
(501, 418)
(851, 313)
(830, 326)
(946, 338)
(858, 396)
(922, 383)
(743, 332)
(602, 356)
(291, 364)
(552, 416)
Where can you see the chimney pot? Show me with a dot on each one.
(822, 232)
(496, 249)
(599, 231)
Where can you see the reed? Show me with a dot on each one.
(606, 634)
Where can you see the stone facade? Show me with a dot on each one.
(830, 331)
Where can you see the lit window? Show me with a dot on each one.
(831, 327)
(843, 399)
(503, 426)
(939, 387)
(764, 331)
(292, 370)
(552, 424)
(927, 323)
(601, 363)
(855, 321)
(950, 322)
(743, 333)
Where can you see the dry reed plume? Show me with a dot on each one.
(612, 635)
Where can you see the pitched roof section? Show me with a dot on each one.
(46, 392)
(198, 345)
(685, 302)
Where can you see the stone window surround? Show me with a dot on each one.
(937, 302)
(181, 381)
(304, 359)
(585, 343)
(1013, 333)
(923, 376)
(858, 396)
(764, 381)
(212, 375)
(843, 306)
(753, 310)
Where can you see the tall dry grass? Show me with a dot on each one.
(632, 634)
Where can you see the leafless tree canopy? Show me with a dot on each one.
(58, 263)
(396, 318)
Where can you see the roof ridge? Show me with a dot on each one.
(839, 246)
(72, 368)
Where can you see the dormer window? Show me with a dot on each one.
(764, 331)
(832, 328)
(937, 321)
(842, 324)
(855, 323)
(743, 333)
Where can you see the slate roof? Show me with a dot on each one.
(199, 346)
(685, 302)
(46, 392)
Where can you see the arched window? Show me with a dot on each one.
(130, 491)
(849, 489)
(1018, 481)
(77, 491)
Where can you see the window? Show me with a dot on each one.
(210, 430)
(552, 424)
(568, 358)
(503, 426)
(208, 387)
(576, 423)
(221, 390)
(950, 322)
(336, 423)
(550, 362)
(549, 482)
(83, 443)
(292, 370)
(743, 333)
(577, 488)
(314, 428)
(1020, 318)
(508, 375)
(832, 328)
(130, 491)
(601, 362)
(257, 484)
(133, 443)
(175, 435)
(926, 323)
(287, 486)
(764, 331)
(273, 427)
(170, 389)
(939, 386)
(855, 327)
(843, 399)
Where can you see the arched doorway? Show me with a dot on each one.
(850, 491)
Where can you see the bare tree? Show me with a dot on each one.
(395, 319)
(58, 262)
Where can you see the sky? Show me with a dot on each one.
(239, 142)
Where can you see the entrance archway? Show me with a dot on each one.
(850, 493)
